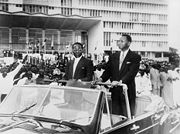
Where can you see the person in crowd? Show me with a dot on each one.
(80, 68)
(35, 70)
(122, 67)
(167, 86)
(27, 79)
(99, 69)
(176, 82)
(155, 79)
(143, 82)
(41, 76)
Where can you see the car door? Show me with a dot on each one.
(147, 123)
(139, 125)
(120, 128)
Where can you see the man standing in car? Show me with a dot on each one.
(79, 68)
(122, 67)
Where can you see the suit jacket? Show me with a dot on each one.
(127, 73)
(83, 71)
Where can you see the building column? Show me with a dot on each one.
(43, 35)
(146, 54)
(73, 36)
(162, 56)
(59, 39)
(27, 40)
(27, 36)
(151, 55)
(43, 39)
(10, 38)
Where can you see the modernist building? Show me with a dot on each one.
(96, 23)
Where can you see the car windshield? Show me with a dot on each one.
(65, 103)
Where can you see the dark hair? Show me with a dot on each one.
(128, 37)
(78, 43)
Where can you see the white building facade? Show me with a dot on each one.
(96, 23)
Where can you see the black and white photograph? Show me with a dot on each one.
(89, 67)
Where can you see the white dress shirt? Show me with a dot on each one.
(76, 61)
(122, 57)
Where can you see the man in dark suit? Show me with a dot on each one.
(79, 68)
(122, 67)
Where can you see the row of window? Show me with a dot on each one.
(123, 4)
(157, 54)
(150, 43)
(108, 40)
(127, 16)
(3, 0)
(146, 36)
(66, 2)
(36, 9)
(66, 11)
(44, 9)
(34, 35)
(138, 36)
(160, 28)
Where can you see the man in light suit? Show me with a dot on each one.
(122, 67)
(80, 68)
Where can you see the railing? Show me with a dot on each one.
(22, 47)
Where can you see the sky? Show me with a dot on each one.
(174, 23)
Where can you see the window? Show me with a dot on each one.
(18, 36)
(36, 9)
(157, 55)
(166, 54)
(18, 5)
(107, 39)
(4, 7)
(143, 44)
(34, 35)
(4, 35)
(52, 37)
(143, 54)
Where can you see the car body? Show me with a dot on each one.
(49, 109)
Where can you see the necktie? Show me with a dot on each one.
(121, 59)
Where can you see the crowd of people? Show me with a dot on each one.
(159, 78)
(143, 77)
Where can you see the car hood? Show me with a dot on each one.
(17, 131)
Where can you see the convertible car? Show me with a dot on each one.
(46, 109)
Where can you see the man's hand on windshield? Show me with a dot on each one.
(96, 81)
(116, 83)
